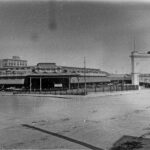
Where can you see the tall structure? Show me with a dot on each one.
(136, 57)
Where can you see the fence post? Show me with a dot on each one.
(103, 88)
(95, 87)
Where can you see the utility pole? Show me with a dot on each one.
(134, 48)
(85, 76)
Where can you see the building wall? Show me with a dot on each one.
(16, 71)
(89, 79)
(46, 65)
(81, 71)
(52, 67)
(18, 66)
(1, 63)
(14, 62)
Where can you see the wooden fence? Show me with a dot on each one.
(81, 91)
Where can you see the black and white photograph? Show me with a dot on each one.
(75, 74)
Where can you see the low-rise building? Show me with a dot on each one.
(53, 68)
(46, 76)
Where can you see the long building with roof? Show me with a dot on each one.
(46, 76)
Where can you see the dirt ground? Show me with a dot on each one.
(90, 122)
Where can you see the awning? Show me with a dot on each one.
(12, 81)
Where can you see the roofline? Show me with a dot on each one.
(46, 63)
(54, 74)
(80, 68)
(14, 59)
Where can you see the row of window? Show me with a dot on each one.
(66, 71)
(81, 70)
(15, 63)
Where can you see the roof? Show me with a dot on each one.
(52, 74)
(119, 76)
(6, 59)
(46, 63)
(71, 67)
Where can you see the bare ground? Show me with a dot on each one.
(91, 122)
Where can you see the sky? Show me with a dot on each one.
(65, 32)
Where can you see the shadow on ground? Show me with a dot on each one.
(124, 143)
(131, 143)
(63, 137)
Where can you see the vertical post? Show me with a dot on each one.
(93, 86)
(69, 83)
(78, 84)
(103, 88)
(30, 84)
(132, 66)
(84, 76)
(40, 84)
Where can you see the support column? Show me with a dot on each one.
(69, 82)
(85, 88)
(78, 83)
(40, 84)
(30, 84)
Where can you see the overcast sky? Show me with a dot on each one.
(66, 31)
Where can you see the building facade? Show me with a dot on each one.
(53, 68)
(81, 71)
(46, 76)
(48, 68)
(15, 61)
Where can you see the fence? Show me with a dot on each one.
(53, 92)
(81, 91)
